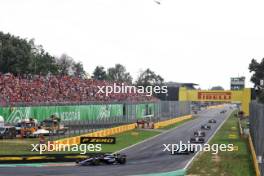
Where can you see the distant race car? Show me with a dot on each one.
(199, 133)
(185, 151)
(206, 127)
(223, 111)
(212, 121)
(103, 159)
(197, 140)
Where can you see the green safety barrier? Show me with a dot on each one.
(181, 172)
(21, 165)
(76, 112)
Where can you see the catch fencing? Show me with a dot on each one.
(131, 112)
(85, 118)
(257, 132)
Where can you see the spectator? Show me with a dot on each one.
(36, 89)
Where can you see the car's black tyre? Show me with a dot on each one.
(95, 162)
(122, 160)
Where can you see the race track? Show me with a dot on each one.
(146, 157)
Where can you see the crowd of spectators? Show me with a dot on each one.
(37, 89)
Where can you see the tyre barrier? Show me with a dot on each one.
(100, 133)
(118, 130)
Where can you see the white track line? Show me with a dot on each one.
(190, 161)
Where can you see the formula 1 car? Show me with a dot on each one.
(197, 140)
(184, 151)
(199, 133)
(212, 121)
(103, 159)
(206, 127)
(223, 111)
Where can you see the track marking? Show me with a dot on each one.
(38, 165)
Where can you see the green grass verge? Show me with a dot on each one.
(23, 146)
(17, 146)
(235, 163)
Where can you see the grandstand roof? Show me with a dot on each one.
(177, 84)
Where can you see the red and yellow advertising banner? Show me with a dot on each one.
(214, 96)
(237, 96)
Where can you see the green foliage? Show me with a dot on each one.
(99, 73)
(149, 78)
(258, 75)
(78, 70)
(67, 66)
(64, 64)
(19, 56)
(119, 74)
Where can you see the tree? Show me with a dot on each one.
(258, 72)
(258, 77)
(15, 54)
(217, 88)
(149, 78)
(99, 73)
(65, 64)
(43, 63)
(19, 56)
(118, 73)
(78, 70)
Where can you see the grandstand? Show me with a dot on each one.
(79, 103)
(37, 90)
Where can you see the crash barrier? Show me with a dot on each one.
(215, 106)
(10, 159)
(97, 112)
(256, 129)
(251, 148)
(181, 172)
(100, 133)
(254, 157)
(171, 121)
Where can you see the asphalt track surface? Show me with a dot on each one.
(144, 158)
